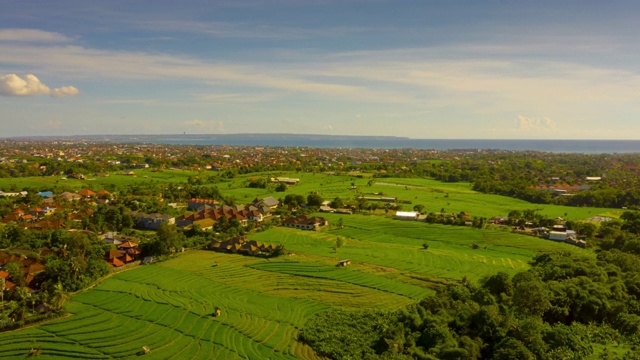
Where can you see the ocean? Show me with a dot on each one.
(375, 142)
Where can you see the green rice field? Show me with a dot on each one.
(169, 306)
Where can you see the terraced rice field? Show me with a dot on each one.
(169, 306)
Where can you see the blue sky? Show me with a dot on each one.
(421, 69)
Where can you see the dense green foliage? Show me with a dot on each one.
(78, 258)
(559, 309)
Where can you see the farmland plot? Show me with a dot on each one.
(397, 245)
(169, 307)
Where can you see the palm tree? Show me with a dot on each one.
(60, 296)
(21, 294)
(16, 311)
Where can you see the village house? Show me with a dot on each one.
(270, 202)
(45, 194)
(305, 223)
(18, 215)
(69, 196)
(46, 224)
(13, 194)
(104, 194)
(115, 258)
(209, 215)
(406, 215)
(29, 267)
(325, 207)
(87, 193)
(196, 204)
(152, 221)
(240, 245)
(8, 285)
(130, 248)
(40, 212)
(112, 238)
(286, 180)
(126, 252)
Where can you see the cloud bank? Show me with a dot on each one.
(30, 85)
(209, 125)
(536, 123)
(31, 35)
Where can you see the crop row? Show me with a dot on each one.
(344, 275)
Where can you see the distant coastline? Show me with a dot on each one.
(350, 141)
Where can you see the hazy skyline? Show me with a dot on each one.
(421, 69)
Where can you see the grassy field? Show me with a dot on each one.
(117, 179)
(394, 247)
(434, 195)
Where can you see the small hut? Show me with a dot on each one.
(344, 262)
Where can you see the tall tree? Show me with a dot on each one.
(340, 242)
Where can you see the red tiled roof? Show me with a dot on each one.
(86, 192)
(8, 285)
(128, 245)
(204, 200)
(113, 254)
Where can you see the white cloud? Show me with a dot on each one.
(204, 125)
(543, 123)
(77, 61)
(65, 91)
(196, 122)
(52, 125)
(245, 30)
(30, 85)
(225, 98)
(31, 35)
(408, 83)
(13, 85)
(405, 76)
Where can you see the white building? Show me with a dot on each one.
(406, 215)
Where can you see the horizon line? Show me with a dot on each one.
(18, 137)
